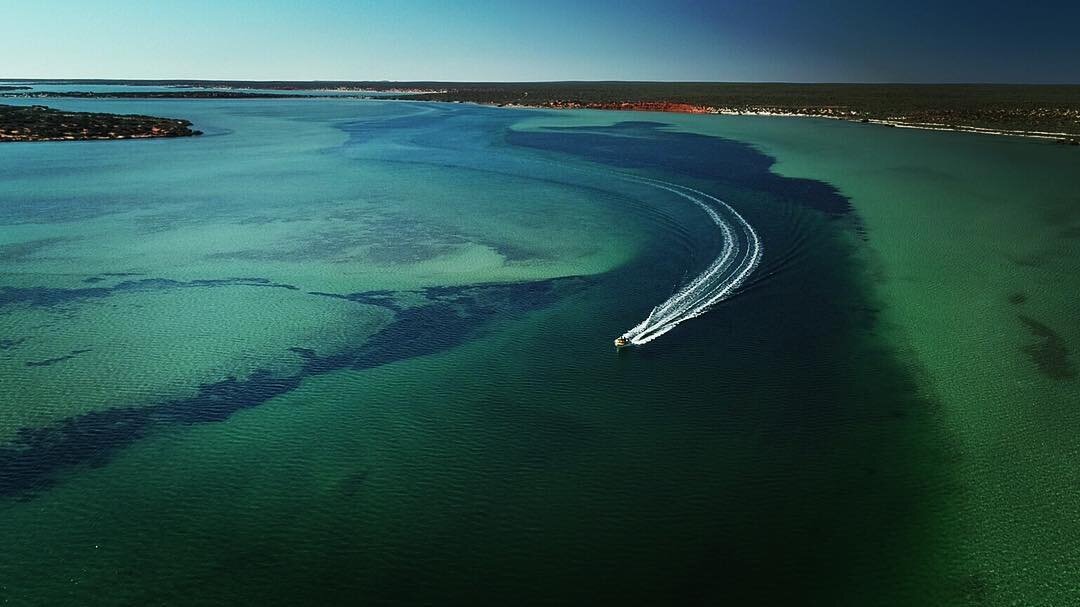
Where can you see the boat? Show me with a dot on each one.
(621, 342)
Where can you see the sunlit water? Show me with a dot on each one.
(360, 352)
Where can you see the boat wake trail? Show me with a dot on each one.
(738, 258)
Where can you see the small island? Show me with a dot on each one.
(41, 123)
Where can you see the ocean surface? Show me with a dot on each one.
(342, 351)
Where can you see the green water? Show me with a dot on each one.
(359, 352)
(976, 245)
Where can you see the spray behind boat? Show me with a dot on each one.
(739, 257)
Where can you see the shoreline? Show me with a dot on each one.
(39, 123)
(1049, 112)
(1070, 139)
(1061, 138)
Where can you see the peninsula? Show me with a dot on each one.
(41, 123)
(1042, 111)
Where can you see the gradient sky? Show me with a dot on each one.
(769, 40)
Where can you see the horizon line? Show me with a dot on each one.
(570, 81)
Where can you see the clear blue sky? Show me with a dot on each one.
(769, 40)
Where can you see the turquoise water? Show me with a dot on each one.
(358, 351)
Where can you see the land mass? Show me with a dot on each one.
(1051, 112)
(41, 123)
(1043, 111)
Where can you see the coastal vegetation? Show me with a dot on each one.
(41, 123)
(1049, 111)
(1014, 109)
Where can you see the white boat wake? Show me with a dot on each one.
(738, 258)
